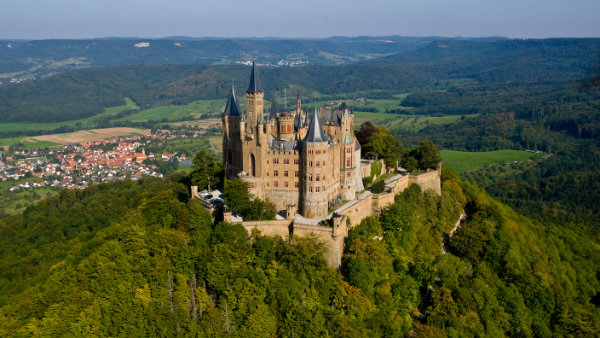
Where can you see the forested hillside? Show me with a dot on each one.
(519, 66)
(156, 267)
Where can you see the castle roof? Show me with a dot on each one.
(315, 131)
(332, 116)
(273, 113)
(254, 86)
(232, 107)
(298, 121)
(285, 145)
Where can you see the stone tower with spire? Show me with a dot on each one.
(254, 102)
(289, 158)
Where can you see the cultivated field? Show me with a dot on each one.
(84, 136)
(205, 123)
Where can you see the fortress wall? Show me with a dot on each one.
(358, 210)
(399, 185)
(331, 237)
(282, 198)
(269, 228)
(380, 201)
(430, 180)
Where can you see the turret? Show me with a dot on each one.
(316, 168)
(232, 134)
(286, 127)
(273, 112)
(298, 103)
(254, 101)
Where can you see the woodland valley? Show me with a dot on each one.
(517, 123)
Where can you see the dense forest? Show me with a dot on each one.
(27, 58)
(514, 65)
(143, 259)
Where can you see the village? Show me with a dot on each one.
(81, 165)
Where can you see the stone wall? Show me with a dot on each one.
(269, 228)
(359, 209)
(331, 236)
(431, 180)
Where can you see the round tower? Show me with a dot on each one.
(285, 130)
(315, 151)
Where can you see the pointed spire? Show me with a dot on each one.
(315, 131)
(254, 86)
(273, 113)
(232, 107)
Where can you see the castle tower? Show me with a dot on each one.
(285, 129)
(315, 164)
(233, 133)
(254, 102)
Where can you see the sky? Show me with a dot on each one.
(74, 19)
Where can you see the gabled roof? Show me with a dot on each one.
(232, 107)
(254, 86)
(315, 131)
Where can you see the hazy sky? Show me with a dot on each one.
(42, 19)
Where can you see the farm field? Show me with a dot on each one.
(84, 136)
(464, 161)
(204, 123)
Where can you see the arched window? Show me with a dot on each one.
(252, 165)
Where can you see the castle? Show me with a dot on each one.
(299, 163)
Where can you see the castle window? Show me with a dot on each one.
(285, 184)
(348, 173)
(285, 173)
(318, 178)
(275, 173)
(318, 152)
(309, 189)
(347, 150)
(323, 163)
(348, 163)
(286, 161)
(276, 184)
(310, 163)
(323, 177)
(296, 173)
(310, 177)
(295, 161)
(275, 161)
(318, 189)
(295, 184)
(318, 163)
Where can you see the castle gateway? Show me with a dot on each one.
(291, 159)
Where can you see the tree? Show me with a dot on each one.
(237, 198)
(427, 155)
(206, 171)
(365, 131)
(384, 145)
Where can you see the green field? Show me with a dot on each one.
(464, 161)
(194, 110)
(5, 142)
(81, 123)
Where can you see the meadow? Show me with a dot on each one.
(464, 161)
